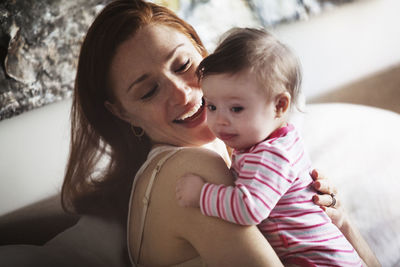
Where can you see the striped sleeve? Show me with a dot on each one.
(262, 180)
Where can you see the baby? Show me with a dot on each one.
(250, 83)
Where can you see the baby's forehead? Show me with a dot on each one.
(228, 92)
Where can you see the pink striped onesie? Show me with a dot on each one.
(273, 190)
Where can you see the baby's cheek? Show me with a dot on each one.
(210, 120)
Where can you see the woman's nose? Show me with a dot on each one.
(179, 92)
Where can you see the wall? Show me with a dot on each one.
(33, 153)
(345, 44)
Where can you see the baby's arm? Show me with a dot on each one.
(188, 190)
(247, 203)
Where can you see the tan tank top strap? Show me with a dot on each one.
(146, 201)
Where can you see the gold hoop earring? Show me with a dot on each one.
(138, 135)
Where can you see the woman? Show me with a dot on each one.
(136, 91)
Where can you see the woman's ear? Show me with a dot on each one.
(282, 104)
(117, 111)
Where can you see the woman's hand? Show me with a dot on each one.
(188, 190)
(327, 199)
(332, 206)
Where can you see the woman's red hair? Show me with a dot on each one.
(97, 135)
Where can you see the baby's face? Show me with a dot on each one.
(238, 110)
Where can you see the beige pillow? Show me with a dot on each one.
(358, 148)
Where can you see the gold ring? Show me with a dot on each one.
(333, 201)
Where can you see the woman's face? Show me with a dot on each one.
(153, 78)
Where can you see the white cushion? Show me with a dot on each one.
(358, 148)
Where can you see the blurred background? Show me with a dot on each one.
(349, 50)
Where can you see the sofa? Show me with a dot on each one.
(356, 146)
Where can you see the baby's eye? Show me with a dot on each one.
(237, 109)
(211, 107)
(185, 66)
(150, 93)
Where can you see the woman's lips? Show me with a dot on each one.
(189, 114)
(195, 119)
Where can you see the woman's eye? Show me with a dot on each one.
(237, 109)
(184, 66)
(150, 93)
(211, 107)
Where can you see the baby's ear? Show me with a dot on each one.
(282, 104)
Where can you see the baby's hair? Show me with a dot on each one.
(276, 67)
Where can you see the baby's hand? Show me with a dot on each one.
(188, 190)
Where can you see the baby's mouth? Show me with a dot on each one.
(192, 114)
(226, 136)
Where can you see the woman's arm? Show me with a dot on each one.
(354, 236)
(341, 220)
(219, 243)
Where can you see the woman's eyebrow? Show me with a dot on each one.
(138, 80)
(145, 76)
(169, 56)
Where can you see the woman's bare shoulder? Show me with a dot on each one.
(201, 161)
(211, 237)
(199, 152)
(175, 227)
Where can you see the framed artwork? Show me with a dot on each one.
(39, 48)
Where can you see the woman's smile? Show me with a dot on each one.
(190, 111)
